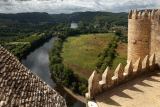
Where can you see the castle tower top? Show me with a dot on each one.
(153, 14)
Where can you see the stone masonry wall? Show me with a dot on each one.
(143, 35)
(138, 35)
(19, 87)
(155, 32)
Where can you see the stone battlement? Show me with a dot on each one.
(20, 87)
(131, 71)
(145, 15)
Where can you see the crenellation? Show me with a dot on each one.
(130, 15)
(152, 62)
(145, 64)
(137, 68)
(128, 72)
(149, 15)
(134, 14)
(119, 73)
(93, 88)
(108, 82)
(139, 15)
(153, 14)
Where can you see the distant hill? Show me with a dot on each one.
(36, 17)
(88, 16)
(81, 16)
(33, 17)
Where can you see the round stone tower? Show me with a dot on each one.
(138, 35)
(155, 35)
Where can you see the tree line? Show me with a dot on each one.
(62, 73)
(21, 50)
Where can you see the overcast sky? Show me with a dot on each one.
(70, 6)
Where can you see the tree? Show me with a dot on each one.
(55, 59)
(68, 76)
(118, 32)
(61, 36)
(107, 25)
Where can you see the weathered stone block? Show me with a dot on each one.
(106, 76)
(152, 62)
(145, 64)
(137, 68)
(128, 71)
(93, 85)
(119, 73)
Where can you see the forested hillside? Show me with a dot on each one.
(33, 17)
(93, 17)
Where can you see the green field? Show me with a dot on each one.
(29, 39)
(17, 43)
(119, 59)
(82, 50)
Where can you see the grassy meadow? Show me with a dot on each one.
(80, 52)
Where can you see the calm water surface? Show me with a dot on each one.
(38, 62)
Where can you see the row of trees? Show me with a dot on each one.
(21, 50)
(108, 54)
(62, 73)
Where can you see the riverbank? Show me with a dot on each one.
(75, 95)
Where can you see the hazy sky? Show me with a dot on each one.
(70, 6)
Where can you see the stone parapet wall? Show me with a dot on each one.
(131, 71)
(20, 87)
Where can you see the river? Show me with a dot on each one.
(38, 62)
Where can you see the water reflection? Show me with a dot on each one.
(37, 61)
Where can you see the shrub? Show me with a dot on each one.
(103, 67)
(68, 75)
(118, 32)
(61, 36)
(99, 64)
(55, 59)
(84, 91)
(82, 87)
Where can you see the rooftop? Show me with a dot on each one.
(20, 87)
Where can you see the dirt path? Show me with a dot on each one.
(141, 92)
(19, 42)
(80, 98)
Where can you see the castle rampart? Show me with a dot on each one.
(131, 71)
(143, 53)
